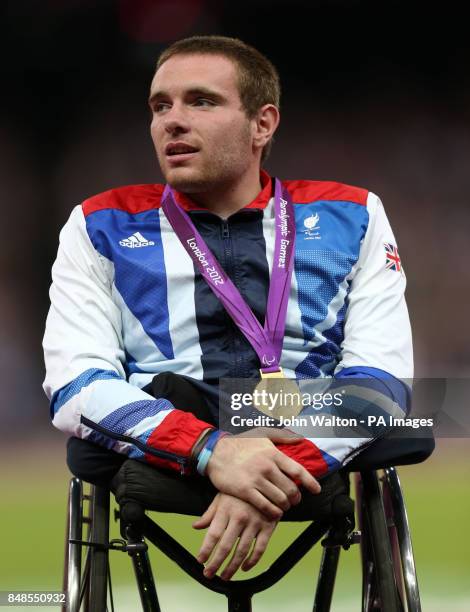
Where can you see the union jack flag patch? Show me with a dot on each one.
(393, 261)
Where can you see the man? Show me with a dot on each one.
(150, 280)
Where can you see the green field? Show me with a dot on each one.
(437, 494)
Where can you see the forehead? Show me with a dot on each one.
(184, 72)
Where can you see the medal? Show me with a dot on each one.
(277, 396)
(267, 340)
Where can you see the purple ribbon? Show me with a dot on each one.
(266, 341)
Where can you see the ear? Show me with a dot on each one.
(264, 125)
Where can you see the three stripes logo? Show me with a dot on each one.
(136, 241)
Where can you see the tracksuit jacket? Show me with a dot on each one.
(127, 303)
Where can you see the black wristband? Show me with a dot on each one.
(198, 446)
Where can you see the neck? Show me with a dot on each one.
(226, 199)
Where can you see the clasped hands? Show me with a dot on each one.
(256, 484)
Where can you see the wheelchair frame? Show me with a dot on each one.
(389, 582)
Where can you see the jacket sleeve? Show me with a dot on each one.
(376, 367)
(85, 358)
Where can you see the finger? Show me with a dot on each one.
(206, 519)
(274, 434)
(212, 537)
(240, 553)
(223, 549)
(261, 543)
(261, 503)
(285, 436)
(297, 472)
(288, 486)
(273, 493)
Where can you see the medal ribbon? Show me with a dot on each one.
(266, 341)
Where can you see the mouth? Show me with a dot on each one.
(179, 151)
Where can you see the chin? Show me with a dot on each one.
(185, 180)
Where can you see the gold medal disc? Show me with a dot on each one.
(277, 396)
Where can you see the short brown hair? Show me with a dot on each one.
(258, 79)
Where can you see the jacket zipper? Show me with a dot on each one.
(225, 231)
(228, 256)
(161, 454)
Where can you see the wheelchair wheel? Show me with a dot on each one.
(86, 568)
(73, 552)
(389, 573)
(379, 588)
(400, 538)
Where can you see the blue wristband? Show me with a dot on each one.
(206, 452)
(213, 439)
(203, 460)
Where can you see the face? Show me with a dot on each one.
(200, 131)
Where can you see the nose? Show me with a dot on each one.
(176, 121)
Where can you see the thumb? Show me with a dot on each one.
(206, 519)
(281, 436)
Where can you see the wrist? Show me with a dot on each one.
(207, 450)
(198, 446)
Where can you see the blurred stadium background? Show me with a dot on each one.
(375, 95)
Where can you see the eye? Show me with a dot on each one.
(160, 107)
(203, 102)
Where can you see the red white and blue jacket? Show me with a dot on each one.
(127, 304)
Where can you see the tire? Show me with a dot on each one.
(400, 537)
(379, 585)
(85, 567)
(73, 552)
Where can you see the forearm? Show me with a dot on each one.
(370, 400)
(102, 407)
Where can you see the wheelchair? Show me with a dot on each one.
(389, 581)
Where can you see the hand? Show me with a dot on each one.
(254, 470)
(230, 519)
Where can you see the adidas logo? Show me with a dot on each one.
(136, 241)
